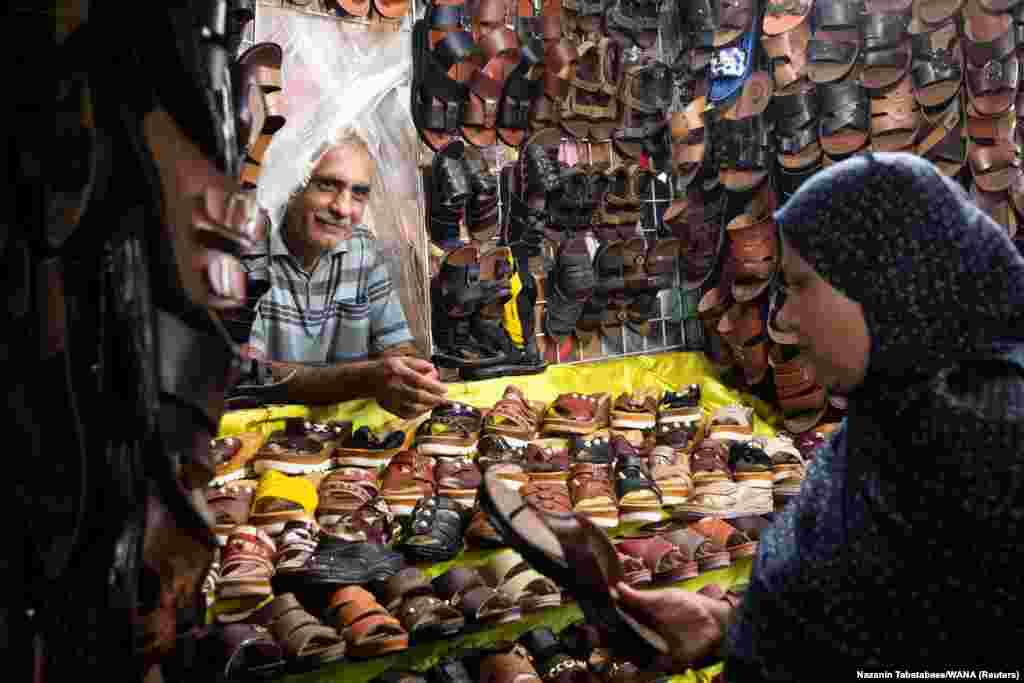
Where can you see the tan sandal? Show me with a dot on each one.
(369, 629)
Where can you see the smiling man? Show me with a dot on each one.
(331, 313)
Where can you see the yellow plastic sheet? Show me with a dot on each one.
(664, 371)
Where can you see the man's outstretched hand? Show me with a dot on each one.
(692, 624)
(410, 386)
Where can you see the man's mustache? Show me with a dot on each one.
(329, 219)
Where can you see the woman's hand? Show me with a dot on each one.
(692, 624)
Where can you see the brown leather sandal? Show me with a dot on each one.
(646, 94)
(304, 638)
(895, 117)
(787, 52)
(688, 136)
(743, 329)
(465, 590)
(755, 249)
(514, 417)
(369, 629)
(995, 167)
(591, 106)
(500, 54)
(998, 205)
(560, 59)
(801, 397)
(410, 597)
(942, 139)
(578, 413)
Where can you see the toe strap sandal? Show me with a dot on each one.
(577, 555)
(578, 413)
(304, 638)
(230, 505)
(465, 590)
(593, 494)
(801, 397)
(409, 596)
(886, 53)
(845, 117)
(832, 54)
(999, 206)
(547, 496)
(372, 522)
(481, 534)
(435, 530)
(895, 117)
(787, 54)
(368, 628)
(709, 462)
(530, 590)
(560, 59)
(938, 66)
(665, 561)
(296, 545)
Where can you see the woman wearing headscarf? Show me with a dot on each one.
(904, 548)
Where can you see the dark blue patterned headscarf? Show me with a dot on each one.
(937, 277)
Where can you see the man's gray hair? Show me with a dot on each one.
(348, 136)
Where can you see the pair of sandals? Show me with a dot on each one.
(456, 93)
(462, 188)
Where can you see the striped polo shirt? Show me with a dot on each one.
(344, 310)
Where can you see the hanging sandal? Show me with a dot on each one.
(500, 54)
(895, 117)
(938, 66)
(438, 100)
(645, 94)
(519, 93)
(787, 53)
(368, 628)
(845, 123)
(800, 396)
(835, 47)
(577, 555)
(755, 251)
(688, 135)
(995, 167)
(529, 589)
(886, 53)
(942, 140)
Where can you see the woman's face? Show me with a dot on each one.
(830, 327)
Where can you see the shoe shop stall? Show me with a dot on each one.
(575, 200)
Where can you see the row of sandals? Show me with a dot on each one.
(288, 639)
(847, 76)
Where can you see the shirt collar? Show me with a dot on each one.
(279, 248)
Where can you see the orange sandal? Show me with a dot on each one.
(369, 629)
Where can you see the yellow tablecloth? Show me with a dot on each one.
(665, 371)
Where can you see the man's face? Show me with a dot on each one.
(335, 198)
(830, 327)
